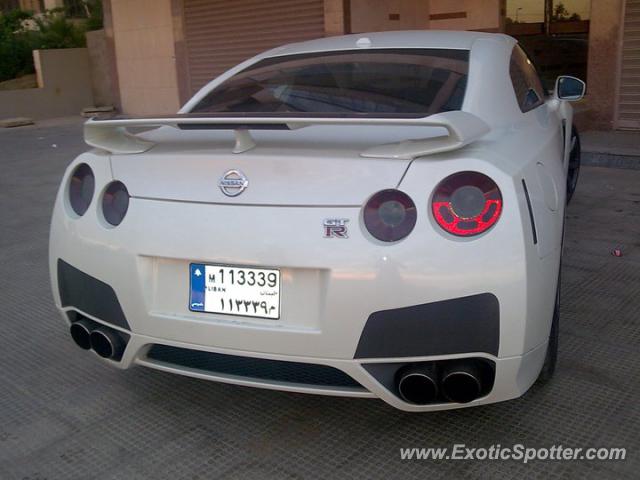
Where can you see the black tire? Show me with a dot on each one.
(574, 163)
(551, 358)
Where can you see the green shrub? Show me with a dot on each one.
(53, 30)
(88, 10)
(94, 21)
(16, 45)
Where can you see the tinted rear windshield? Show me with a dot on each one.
(375, 82)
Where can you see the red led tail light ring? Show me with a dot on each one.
(452, 227)
(485, 202)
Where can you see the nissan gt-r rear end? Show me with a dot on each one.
(365, 216)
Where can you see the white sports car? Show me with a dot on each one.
(375, 215)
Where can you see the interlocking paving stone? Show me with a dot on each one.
(65, 415)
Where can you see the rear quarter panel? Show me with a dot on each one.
(505, 260)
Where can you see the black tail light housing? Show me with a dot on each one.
(390, 215)
(115, 203)
(466, 204)
(81, 188)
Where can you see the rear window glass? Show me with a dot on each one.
(403, 82)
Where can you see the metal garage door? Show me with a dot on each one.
(629, 100)
(221, 33)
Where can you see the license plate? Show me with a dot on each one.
(247, 292)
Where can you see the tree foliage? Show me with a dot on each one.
(21, 32)
(15, 45)
(55, 31)
(561, 14)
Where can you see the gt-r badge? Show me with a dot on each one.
(335, 227)
(233, 183)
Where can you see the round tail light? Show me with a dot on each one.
(115, 203)
(81, 187)
(466, 204)
(390, 215)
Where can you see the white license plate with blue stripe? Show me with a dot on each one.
(246, 292)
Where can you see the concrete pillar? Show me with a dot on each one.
(145, 56)
(603, 74)
(336, 16)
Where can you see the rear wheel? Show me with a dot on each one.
(574, 163)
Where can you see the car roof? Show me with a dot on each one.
(440, 39)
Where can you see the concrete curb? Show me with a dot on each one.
(15, 122)
(598, 159)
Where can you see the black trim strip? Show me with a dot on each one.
(253, 368)
(533, 221)
(232, 126)
(89, 295)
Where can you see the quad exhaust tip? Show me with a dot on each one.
(461, 382)
(81, 333)
(436, 382)
(417, 384)
(105, 341)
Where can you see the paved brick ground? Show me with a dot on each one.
(65, 415)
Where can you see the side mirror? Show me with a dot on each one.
(569, 88)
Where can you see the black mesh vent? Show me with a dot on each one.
(256, 368)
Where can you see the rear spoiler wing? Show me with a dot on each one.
(462, 128)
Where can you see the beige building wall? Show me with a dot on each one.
(51, 4)
(465, 14)
(64, 86)
(30, 5)
(145, 56)
(385, 15)
(382, 15)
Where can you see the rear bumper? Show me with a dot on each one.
(390, 340)
(513, 375)
(345, 303)
(380, 349)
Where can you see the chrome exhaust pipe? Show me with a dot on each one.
(107, 343)
(417, 384)
(461, 382)
(81, 332)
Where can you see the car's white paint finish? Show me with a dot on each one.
(178, 215)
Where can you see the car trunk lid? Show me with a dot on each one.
(319, 165)
(293, 160)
